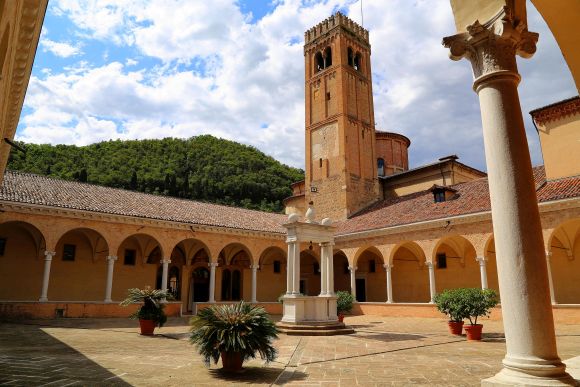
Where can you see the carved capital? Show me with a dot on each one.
(213, 264)
(112, 258)
(48, 255)
(352, 269)
(166, 261)
(429, 264)
(492, 47)
(388, 266)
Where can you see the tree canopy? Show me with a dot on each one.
(201, 168)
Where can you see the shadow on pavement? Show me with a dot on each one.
(31, 357)
(255, 375)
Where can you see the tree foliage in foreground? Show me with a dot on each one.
(201, 168)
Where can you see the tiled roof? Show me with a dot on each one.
(472, 197)
(40, 190)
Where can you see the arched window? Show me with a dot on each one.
(327, 57)
(236, 285)
(381, 167)
(318, 62)
(357, 62)
(226, 285)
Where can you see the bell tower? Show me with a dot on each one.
(341, 169)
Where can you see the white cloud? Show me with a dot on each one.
(60, 49)
(250, 74)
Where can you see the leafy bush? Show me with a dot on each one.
(152, 308)
(469, 303)
(239, 328)
(344, 301)
(447, 303)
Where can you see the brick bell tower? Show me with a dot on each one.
(341, 169)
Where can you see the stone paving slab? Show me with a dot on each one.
(384, 351)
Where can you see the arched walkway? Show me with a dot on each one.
(341, 272)
(139, 257)
(234, 276)
(370, 277)
(455, 264)
(564, 245)
(79, 269)
(22, 248)
(409, 273)
(491, 265)
(271, 274)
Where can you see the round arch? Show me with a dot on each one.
(370, 278)
(564, 246)
(341, 271)
(491, 264)
(409, 273)
(455, 263)
(22, 247)
(233, 275)
(271, 274)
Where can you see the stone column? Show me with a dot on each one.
(550, 279)
(532, 357)
(165, 263)
(330, 268)
(254, 281)
(46, 277)
(110, 266)
(212, 266)
(290, 267)
(388, 267)
(353, 281)
(296, 276)
(432, 287)
(482, 271)
(323, 270)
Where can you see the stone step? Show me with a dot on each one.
(317, 332)
(313, 327)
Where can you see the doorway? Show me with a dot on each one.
(361, 290)
(200, 278)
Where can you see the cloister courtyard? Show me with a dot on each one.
(384, 351)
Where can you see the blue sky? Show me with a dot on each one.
(134, 69)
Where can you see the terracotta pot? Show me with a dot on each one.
(455, 327)
(340, 317)
(147, 327)
(473, 331)
(232, 361)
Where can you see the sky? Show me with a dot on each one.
(136, 69)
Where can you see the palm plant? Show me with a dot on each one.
(240, 328)
(152, 308)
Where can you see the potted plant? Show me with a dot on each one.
(235, 333)
(476, 303)
(448, 303)
(151, 313)
(343, 303)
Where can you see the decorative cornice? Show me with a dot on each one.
(491, 47)
(557, 111)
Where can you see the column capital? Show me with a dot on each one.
(388, 266)
(166, 261)
(254, 267)
(291, 240)
(213, 264)
(324, 244)
(548, 254)
(352, 268)
(429, 264)
(481, 260)
(491, 47)
(112, 258)
(49, 254)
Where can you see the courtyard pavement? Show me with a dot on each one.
(385, 351)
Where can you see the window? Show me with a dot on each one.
(381, 167)
(68, 252)
(328, 96)
(130, 257)
(2, 246)
(316, 268)
(372, 266)
(356, 62)
(441, 261)
(320, 163)
(439, 196)
(277, 267)
(327, 57)
(318, 62)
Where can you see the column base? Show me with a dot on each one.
(108, 301)
(43, 299)
(509, 377)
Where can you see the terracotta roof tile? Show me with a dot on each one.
(41, 190)
(471, 197)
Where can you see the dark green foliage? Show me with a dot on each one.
(152, 308)
(201, 168)
(469, 303)
(344, 301)
(234, 328)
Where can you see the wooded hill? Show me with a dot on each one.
(201, 168)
